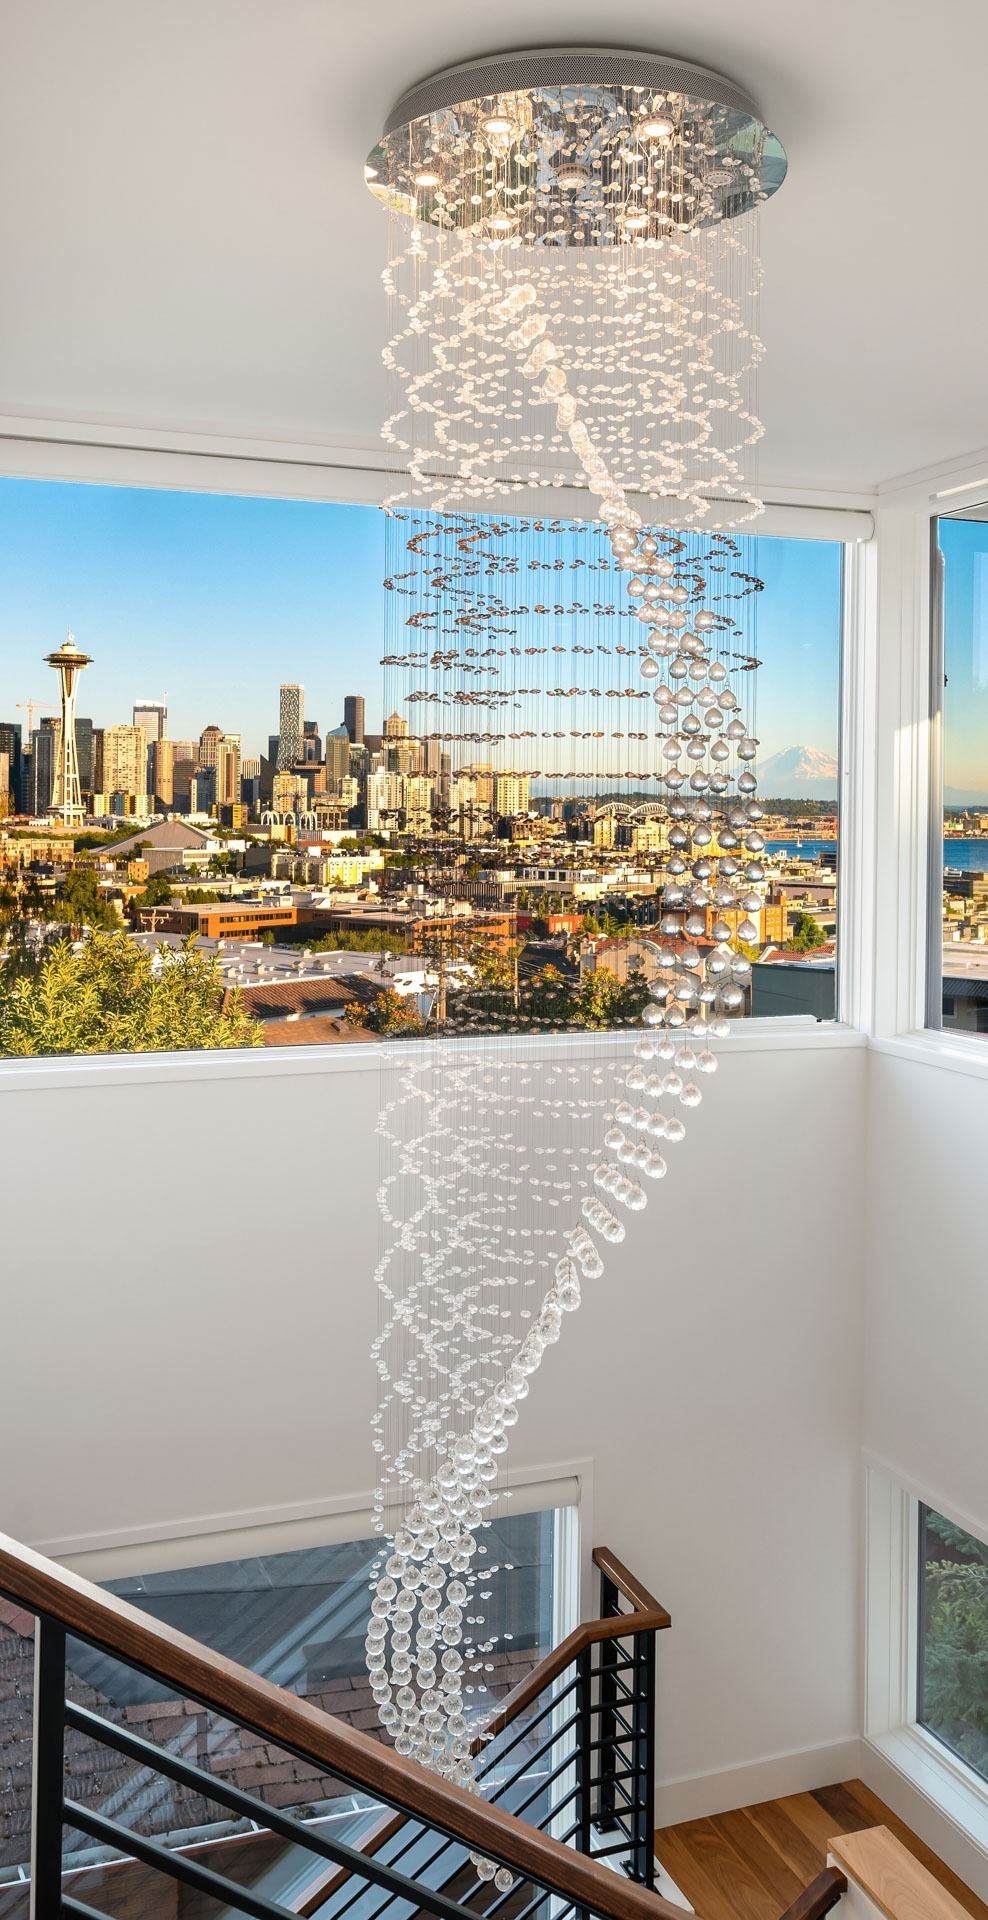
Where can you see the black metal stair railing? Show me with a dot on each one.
(578, 1764)
(569, 1758)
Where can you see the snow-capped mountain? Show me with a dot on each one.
(798, 773)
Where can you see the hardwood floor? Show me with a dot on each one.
(749, 1864)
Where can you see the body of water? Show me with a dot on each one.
(972, 854)
(803, 849)
(959, 854)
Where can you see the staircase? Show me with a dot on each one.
(563, 1830)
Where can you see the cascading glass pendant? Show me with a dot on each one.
(573, 274)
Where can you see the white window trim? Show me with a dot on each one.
(891, 1645)
(210, 1539)
(335, 470)
(904, 744)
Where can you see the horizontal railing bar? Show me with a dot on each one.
(503, 1786)
(533, 1907)
(174, 1866)
(546, 1781)
(160, 1760)
(524, 1732)
(621, 1846)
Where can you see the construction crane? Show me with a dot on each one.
(32, 707)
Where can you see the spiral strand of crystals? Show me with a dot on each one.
(573, 275)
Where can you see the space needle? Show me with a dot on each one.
(66, 798)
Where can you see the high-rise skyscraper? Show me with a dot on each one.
(209, 743)
(173, 763)
(311, 743)
(84, 753)
(289, 727)
(125, 764)
(10, 744)
(66, 797)
(228, 771)
(337, 757)
(152, 715)
(44, 761)
(353, 717)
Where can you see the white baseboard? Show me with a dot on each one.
(949, 1840)
(696, 1795)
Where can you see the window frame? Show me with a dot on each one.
(905, 785)
(343, 474)
(891, 1658)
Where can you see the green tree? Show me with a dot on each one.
(602, 1000)
(80, 903)
(116, 997)
(805, 933)
(157, 893)
(391, 1014)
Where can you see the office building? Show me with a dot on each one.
(337, 757)
(10, 745)
(125, 760)
(353, 717)
(173, 763)
(44, 763)
(209, 746)
(152, 715)
(290, 718)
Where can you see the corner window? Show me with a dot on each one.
(952, 1676)
(958, 923)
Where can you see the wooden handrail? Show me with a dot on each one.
(642, 1601)
(818, 1898)
(196, 1672)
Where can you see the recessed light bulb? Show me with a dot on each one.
(655, 129)
(497, 125)
(427, 179)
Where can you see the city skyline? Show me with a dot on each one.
(209, 603)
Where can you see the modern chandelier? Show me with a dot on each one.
(573, 277)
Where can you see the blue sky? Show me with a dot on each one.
(964, 544)
(215, 600)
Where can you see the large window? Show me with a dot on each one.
(247, 844)
(958, 997)
(952, 1680)
(299, 1619)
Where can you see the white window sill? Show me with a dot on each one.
(142, 1069)
(933, 1770)
(957, 1052)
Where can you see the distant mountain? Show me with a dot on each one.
(798, 773)
(965, 797)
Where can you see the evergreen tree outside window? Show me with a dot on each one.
(952, 1691)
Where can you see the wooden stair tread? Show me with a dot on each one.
(749, 1864)
(890, 1873)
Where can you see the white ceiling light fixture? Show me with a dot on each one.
(628, 364)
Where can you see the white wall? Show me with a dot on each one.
(927, 1314)
(188, 1307)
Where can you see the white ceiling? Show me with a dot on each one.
(186, 240)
